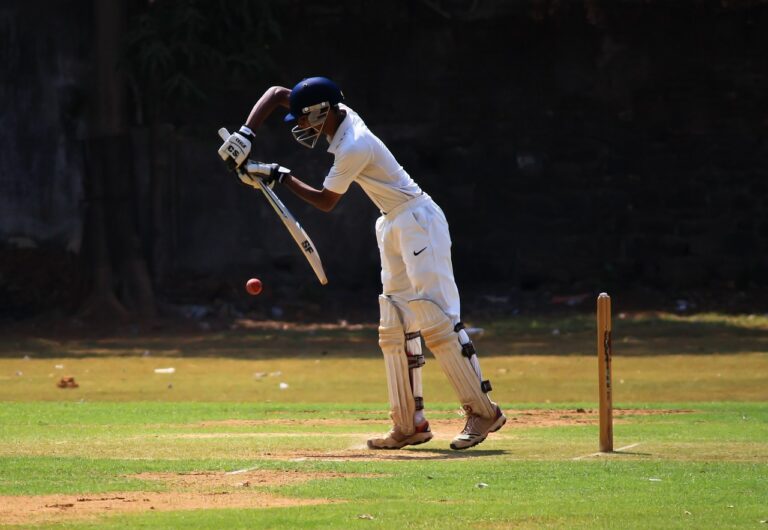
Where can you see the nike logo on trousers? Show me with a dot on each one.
(419, 252)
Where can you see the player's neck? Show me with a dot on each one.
(332, 123)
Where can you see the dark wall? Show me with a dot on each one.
(571, 150)
(43, 66)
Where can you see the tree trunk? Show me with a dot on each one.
(111, 217)
(101, 304)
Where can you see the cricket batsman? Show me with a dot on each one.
(419, 294)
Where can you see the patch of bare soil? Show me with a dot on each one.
(556, 418)
(194, 491)
(515, 418)
(315, 422)
(238, 479)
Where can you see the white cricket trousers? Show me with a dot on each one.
(415, 247)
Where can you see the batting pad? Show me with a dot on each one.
(443, 342)
(392, 344)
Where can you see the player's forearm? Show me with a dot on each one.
(321, 199)
(274, 97)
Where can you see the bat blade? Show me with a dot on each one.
(300, 236)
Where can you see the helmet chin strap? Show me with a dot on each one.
(316, 117)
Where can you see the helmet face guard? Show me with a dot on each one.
(316, 116)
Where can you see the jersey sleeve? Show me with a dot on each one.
(346, 167)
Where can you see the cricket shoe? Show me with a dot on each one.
(477, 428)
(396, 439)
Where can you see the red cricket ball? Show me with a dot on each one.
(253, 286)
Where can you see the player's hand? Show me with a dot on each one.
(235, 149)
(268, 173)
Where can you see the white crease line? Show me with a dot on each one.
(627, 447)
(238, 471)
(620, 449)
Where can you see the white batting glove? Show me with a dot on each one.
(235, 149)
(269, 173)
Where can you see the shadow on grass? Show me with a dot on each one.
(612, 454)
(414, 455)
(448, 454)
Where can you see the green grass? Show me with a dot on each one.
(711, 463)
(516, 378)
(706, 467)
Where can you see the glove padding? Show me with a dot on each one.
(235, 149)
(258, 173)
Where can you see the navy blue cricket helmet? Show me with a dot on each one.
(311, 92)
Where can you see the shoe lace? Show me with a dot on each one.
(471, 425)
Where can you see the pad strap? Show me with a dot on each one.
(468, 349)
(416, 361)
(412, 335)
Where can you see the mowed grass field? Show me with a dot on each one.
(264, 426)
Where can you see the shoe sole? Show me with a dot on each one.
(495, 427)
(395, 447)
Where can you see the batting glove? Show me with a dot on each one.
(268, 174)
(235, 149)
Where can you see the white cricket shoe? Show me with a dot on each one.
(396, 439)
(477, 428)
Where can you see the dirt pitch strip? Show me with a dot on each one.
(192, 491)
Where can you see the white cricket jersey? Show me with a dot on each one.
(361, 157)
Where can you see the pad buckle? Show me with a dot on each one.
(485, 386)
(412, 335)
(468, 349)
(416, 361)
